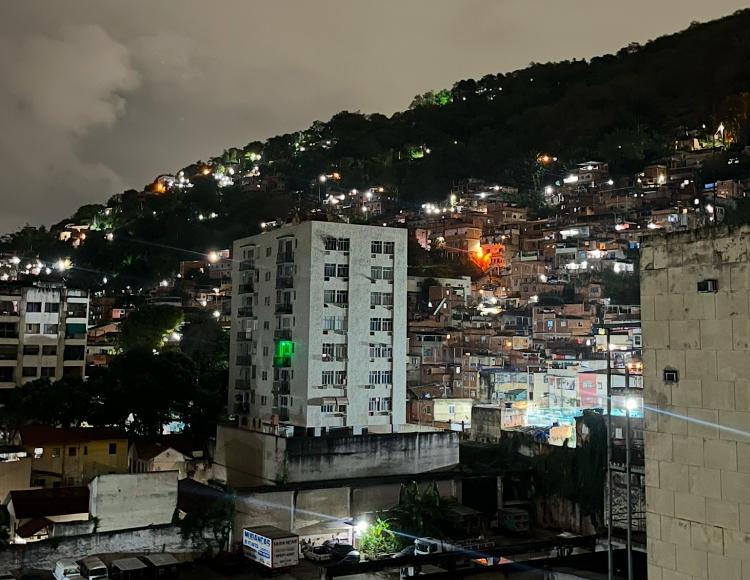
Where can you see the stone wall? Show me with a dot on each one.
(45, 553)
(698, 428)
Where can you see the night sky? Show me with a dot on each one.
(99, 96)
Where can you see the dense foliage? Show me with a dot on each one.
(627, 108)
(378, 539)
(421, 511)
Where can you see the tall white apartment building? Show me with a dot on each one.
(42, 332)
(319, 328)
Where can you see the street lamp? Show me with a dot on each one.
(631, 404)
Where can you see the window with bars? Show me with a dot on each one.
(389, 247)
(329, 270)
(376, 404)
(327, 377)
(376, 247)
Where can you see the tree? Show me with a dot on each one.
(421, 511)
(148, 326)
(378, 539)
(212, 513)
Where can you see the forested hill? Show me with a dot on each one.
(627, 109)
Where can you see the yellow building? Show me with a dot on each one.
(74, 455)
(453, 414)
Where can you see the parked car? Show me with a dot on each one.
(66, 569)
(317, 553)
(93, 568)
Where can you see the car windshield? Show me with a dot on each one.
(423, 546)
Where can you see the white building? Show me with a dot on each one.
(42, 332)
(319, 328)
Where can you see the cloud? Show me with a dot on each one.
(57, 88)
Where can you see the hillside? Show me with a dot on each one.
(626, 108)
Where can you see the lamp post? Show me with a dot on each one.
(630, 405)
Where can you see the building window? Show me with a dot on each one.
(389, 247)
(382, 377)
(33, 307)
(31, 349)
(328, 350)
(29, 372)
(380, 351)
(113, 448)
(340, 378)
(266, 325)
(51, 328)
(329, 270)
(49, 350)
(329, 296)
(340, 244)
(268, 251)
(263, 400)
(376, 247)
(32, 329)
(378, 404)
(342, 297)
(55, 452)
(341, 351)
(48, 372)
(327, 377)
(376, 272)
(387, 273)
(451, 409)
(327, 408)
(72, 451)
(52, 307)
(264, 375)
(329, 322)
(85, 449)
(342, 270)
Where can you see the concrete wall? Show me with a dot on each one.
(133, 500)
(248, 458)
(14, 475)
(697, 429)
(45, 553)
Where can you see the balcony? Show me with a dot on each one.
(244, 360)
(245, 311)
(243, 384)
(282, 412)
(284, 282)
(281, 388)
(246, 288)
(282, 362)
(247, 265)
(282, 334)
(244, 336)
(284, 257)
(285, 308)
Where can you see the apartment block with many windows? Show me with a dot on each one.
(319, 328)
(42, 332)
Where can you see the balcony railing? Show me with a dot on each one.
(246, 288)
(282, 412)
(284, 282)
(247, 265)
(243, 384)
(281, 362)
(245, 311)
(282, 334)
(284, 257)
(244, 360)
(285, 308)
(281, 388)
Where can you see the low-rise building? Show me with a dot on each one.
(451, 414)
(70, 456)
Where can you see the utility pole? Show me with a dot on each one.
(610, 555)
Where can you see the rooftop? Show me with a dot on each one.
(40, 435)
(42, 503)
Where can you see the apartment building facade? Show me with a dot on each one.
(695, 296)
(319, 328)
(42, 332)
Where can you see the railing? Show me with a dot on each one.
(282, 334)
(281, 387)
(246, 288)
(244, 337)
(284, 257)
(243, 384)
(247, 265)
(285, 308)
(244, 360)
(284, 282)
(282, 361)
(282, 412)
(245, 311)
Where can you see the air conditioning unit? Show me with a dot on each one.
(705, 286)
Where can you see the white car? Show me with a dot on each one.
(93, 568)
(317, 553)
(66, 569)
